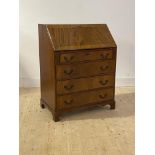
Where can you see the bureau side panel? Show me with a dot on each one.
(47, 68)
(115, 52)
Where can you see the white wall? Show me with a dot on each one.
(119, 15)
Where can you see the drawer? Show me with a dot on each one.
(84, 98)
(86, 55)
(82, 84)
(84, 69)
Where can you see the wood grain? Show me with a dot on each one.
(83, 84)
(84, 36)
(84, 69)
(47, 78)
(73, 59)
(86, 55)
(84, 98)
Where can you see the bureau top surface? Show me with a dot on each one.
(77, 36)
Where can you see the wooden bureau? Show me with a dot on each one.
(77, 67)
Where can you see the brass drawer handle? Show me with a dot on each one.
(69, 102)
(68, 72)
(104, 56)
(104, 69)
(68, 59)
(103, 83)
(103, 96)
(69, 87)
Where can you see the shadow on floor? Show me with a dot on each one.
(125, 106)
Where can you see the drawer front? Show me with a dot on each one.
(84, 69)
(82, 84)
(86, 56)
(84, 98)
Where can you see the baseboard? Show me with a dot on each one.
(29, 82)
(125, 81)
(120, 81)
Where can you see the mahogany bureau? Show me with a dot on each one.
(77, 67)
